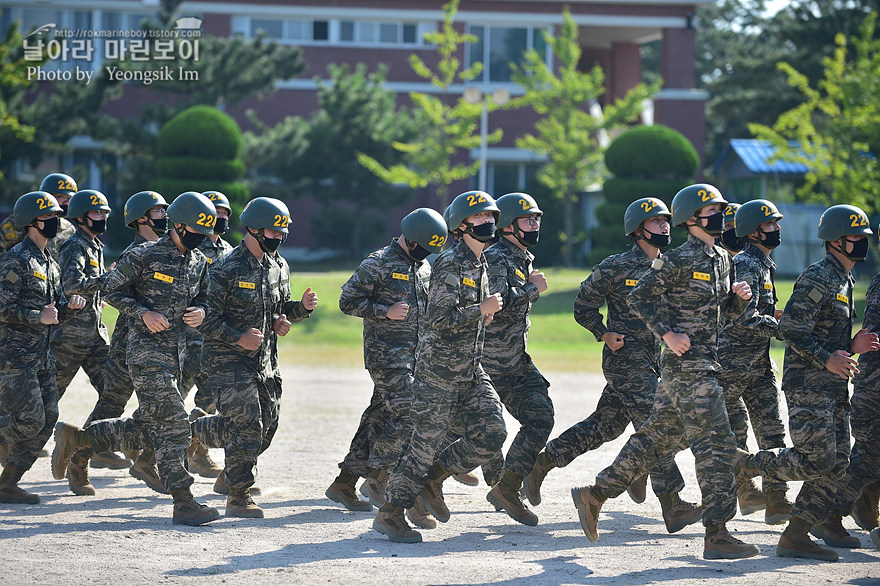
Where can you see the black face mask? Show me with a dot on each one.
(64, 209)
(714, 223)
(50, 227)
(773, 239)
(221, 225)
(191, 240)
(417, 251)
(529, 238)
(98, 226)
(859, 250)
(270, 244)
(657, 240)
(730, 241)
(483, 232)
(159, 227)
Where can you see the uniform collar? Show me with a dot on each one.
(709, 249)
(34, 249)
(516, 250)
(838, 266)
(400, 252)
(755, 252)
(93, 242)
(462, 249)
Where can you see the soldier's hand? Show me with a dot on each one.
(842, 364)
(613, 340)
(310, 299)
(865, 341)
(251, 339)
(193, 316)
(539, 280)
(281, 325)
(112, 266)
(398, 311)
(742, 289)
(76, 302)
(678, 343)
(491, 304)
(49, 314)
(777, 313)
(155, 322)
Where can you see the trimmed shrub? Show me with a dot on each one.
(652, 152)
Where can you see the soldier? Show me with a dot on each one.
(450, 386)
(162, 288)
(31, 302)
(522, 389)
(817, 327)
(728, 239)
(389, 291)
(630, 362)
(246, 304)
(682, 299)
(744, 353)
(62, 187)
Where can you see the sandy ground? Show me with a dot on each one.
(124, 534)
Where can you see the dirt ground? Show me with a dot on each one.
(124, 534)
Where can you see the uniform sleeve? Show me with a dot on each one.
(872, 306)
(11, 279)
(733, 305)
(61, 303)
(445, 295)
(645, 297)
(201, 298)
(499, 282)
(799, 319)
(119, 284)
(591, 296)
(214, 326)
(74, 280)
(356, 298)
(751, 318)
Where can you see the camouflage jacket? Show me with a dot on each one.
(245, 293)
(120, 329)
(383, 278)
(157, 277)
(29, 280)
(508, 334)
(687, 291)
(9, 234)
(451, 345)
(869, 363)
(819, 315)
(65, 230)
(82, 273)
(215, 251)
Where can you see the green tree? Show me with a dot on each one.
(568, 133)
(13, 84)
(835, 130)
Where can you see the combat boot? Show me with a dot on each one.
(721, 545)
(744, 466)
(750, 498)
(432, 492)
(875, 537)
(4, 453)
(467, 478)
(110, 460)
(220, 486)
(532, 483)
(865, 511)
(374, 488)
(10, 492)
(189, 512)
(390, 521)
(638, 490)
(588, 505)
(831, 531)
(198, 459)
(420, 516)
(342, 491)
(505, 495)
(678, 514)
(68, 440)
(795, 543)
(778, 509)
(78, 476)
(240, 504)
(145, 470)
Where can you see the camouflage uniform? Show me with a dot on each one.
(450, 383)
(384, 278)
(631, 372)
(817, 321)
(9, 234)
(65, 230)
(83, 340)
(522, 389)
(155, 277)
(243, 293)
(687, 291)
(29, 280)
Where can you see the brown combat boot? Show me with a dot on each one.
(678, 514)
(831, 531)
(505, 495)
(588, 505)
(10, 492)
(778, 509)
(875, 537)
(240, 504)
(750, 498)
(374, 489)
(390, 521)
(145, 470)
(110, 460)
(795, 543)
(189, 512)
(65, 447)
(532, 483)
(466, 478)
(4, 453)
(744, 466)
(638, 490)
(432, 492)
(78, 476)
(721, 545)
(420, 516)
(342, 491)
(198, 460)
(865, 511)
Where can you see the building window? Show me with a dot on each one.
(385, 33)
(497, 47)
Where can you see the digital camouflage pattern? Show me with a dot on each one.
(66, 229)
(9, 234)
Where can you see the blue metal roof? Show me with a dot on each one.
(755, 155)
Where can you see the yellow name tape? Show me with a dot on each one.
(39, 275)
(93, 262)
(519, 274)
(768, 286)
(163, 277)
(401, 276)
(246, 285)
(468, 282)
(843, 298)
(701, 276)
(632, 282)
(209, 259)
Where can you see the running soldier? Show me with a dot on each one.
(162, 288)
(728, 239)
(62, 187)
(817, 328)
(31, 302)
(450, 388)
(683, 299)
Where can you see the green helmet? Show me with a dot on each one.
(689, 200)
(220, 200)
(266, 212)
(843, 220)
(138, 205)
(31, 206)
(468, 204)
(730, 212)
(641, 210)
(55, 183)
(752, 214)
(515, 205)
(85, 201)
(194, 210)
(426, 227)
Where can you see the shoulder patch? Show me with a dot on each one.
(815, 295)
(362, 274)
(12, 277)
(451, 279)
(657, 264)
(495, 270)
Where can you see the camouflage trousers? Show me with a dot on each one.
(820, 435)
(160, 422)
(248, 409)
(688, 411)
(28, 413)
(524, 394)
(472, 408)
(118, 386)
(194, 374)
(69, 358)
(864, 462)
(623, 401)
(385, 424)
